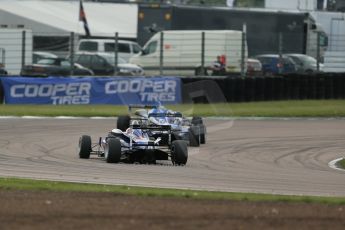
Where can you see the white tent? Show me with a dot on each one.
(104, 19)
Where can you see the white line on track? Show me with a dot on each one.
(333, 164)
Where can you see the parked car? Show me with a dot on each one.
(54, 67)
(274, 64)
(38, 55)
(126, 49)
(254, 66)
(305, 63)
(103, 64)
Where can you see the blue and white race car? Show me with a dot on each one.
(140, 143)
(191, 130)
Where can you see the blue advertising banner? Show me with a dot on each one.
(109, 90)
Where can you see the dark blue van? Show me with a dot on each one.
(273, 64)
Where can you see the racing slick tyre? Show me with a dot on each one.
(179, 152)
(194, 136)
(112, 151)
(123, 122)
(85, 147)
(202, 138)
(197, 121)
(202, 134)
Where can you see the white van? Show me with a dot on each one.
(126, 48)
(182, 51)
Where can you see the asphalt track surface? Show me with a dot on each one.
(275, 156)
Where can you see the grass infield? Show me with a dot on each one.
(42, 185)
(341, 163)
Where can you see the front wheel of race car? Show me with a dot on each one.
(113, 150)
(123, 122)
(179, 152)
(85, 147)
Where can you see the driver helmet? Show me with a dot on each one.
(135, 122)
(158, 110)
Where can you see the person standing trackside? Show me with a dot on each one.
(218, 67)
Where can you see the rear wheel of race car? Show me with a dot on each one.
(85, 147)
(179, 152)
(202, 134)
(202, 138)
(112, 151)
(123, 122)
(194, 136)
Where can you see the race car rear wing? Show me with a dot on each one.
(130, 107)
(175, 114)
(151, 127)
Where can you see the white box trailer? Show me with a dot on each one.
(13, 44)
(182, 51)
(333, 24)
(308, 5)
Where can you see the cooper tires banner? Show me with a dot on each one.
(110, 90)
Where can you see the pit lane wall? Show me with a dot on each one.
(89, 90)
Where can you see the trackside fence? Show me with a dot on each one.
(18, 47)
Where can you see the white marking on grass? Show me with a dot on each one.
(333, 164)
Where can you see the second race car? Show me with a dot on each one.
(191, 130)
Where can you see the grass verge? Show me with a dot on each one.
(301, 108)
(42, 185)
(341, 163)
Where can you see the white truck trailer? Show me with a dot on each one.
(182, 51)
(16, 49)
